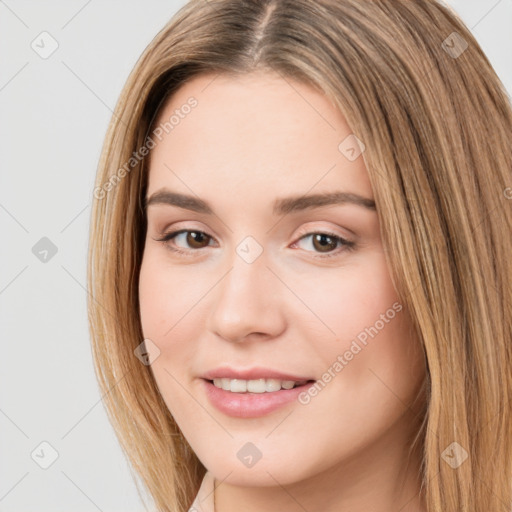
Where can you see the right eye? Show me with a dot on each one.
(193, 238)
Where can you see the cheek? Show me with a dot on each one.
(390, 351)
(151, 300)
(166, 297)
(166, 307)
(350, 299)
(362, 320)
(163, 307)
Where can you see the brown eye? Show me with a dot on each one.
(324, 242)
(327, 244)
(193, 240)
(196, 239)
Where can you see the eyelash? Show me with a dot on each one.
(346, 244)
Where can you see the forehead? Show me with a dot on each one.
(258, 134)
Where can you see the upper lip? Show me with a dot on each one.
(256, 372)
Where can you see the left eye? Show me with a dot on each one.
(322, 242)
(327, 243)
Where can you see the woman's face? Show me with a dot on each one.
(272, 280)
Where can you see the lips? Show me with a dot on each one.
(253, 373)
(250, 405)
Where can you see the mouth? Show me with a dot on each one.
(253, 398)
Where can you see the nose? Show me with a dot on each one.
(247, 302)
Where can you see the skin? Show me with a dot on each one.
(250, 140)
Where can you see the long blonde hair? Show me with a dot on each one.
(416, 88)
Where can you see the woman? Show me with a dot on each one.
(299, 261)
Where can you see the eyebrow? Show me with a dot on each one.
(281, 206)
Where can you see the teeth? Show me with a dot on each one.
(237, 386)
(255, 386)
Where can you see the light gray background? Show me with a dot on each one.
(54, 113)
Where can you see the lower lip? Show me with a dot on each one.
(251, 405)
